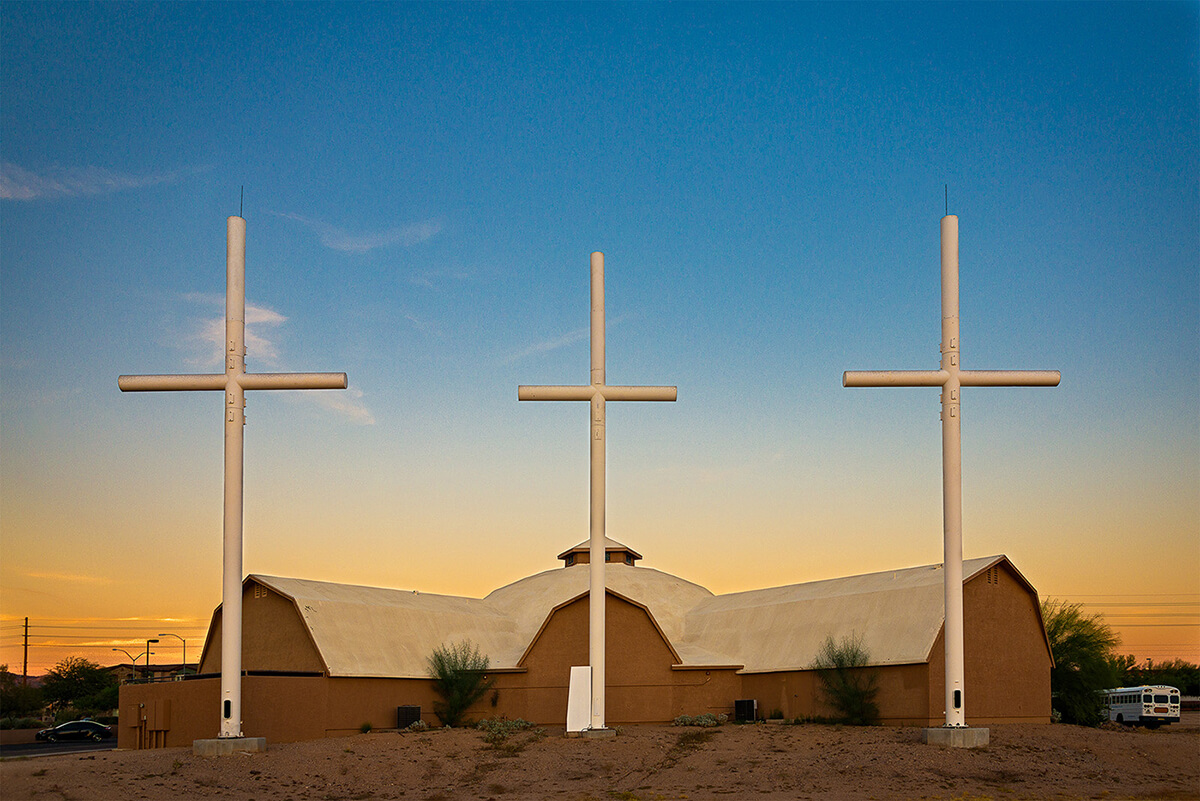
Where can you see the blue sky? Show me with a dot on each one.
(423, 184)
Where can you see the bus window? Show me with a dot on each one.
(1147, 699)
(1162, 699)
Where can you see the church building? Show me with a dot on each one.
(321, 659)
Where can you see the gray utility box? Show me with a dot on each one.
(407, 716)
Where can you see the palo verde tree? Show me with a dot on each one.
(79, 683)
(1082, 646)
(846, 683)
(459, 677)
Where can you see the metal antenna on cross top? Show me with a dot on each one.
(947, 200)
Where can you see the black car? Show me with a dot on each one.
(76, 730)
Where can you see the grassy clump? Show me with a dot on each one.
(705, 721)
(498, 734)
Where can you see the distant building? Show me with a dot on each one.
(321, 658)
(126, 672)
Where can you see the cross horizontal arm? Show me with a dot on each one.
(586, 393)
(219, 381)
(894, 378)
(549, 393)
(640, 393)
(1009, 378)
(167, 383)
(293, 381)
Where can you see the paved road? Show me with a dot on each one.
(27, 750)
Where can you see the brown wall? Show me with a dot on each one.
(1006, 658)
(642, 685)
(273, 636)
(903, 695)
(1007, 665)
(1007, 676)
(280, 708)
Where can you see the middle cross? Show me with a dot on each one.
(597, 392)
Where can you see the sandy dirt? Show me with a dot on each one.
(645, 762)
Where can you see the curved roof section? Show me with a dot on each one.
(378, 632)
(897, 613)
(667, 597)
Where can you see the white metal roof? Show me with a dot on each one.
(372, 631)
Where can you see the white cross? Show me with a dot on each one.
(951, 379)
(234, 382)
(598, 393)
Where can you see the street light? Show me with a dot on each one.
(176, 636)
(132, 659)
(148, 657)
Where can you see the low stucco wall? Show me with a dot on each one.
(19, 736)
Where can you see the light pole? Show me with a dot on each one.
(132, 659)
(148, 657)
(176, 636)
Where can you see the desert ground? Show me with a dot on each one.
(763, 760)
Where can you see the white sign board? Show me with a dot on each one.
(579, 697)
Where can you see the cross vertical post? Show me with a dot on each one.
(233, 382)
(951, 378)
(597, 393)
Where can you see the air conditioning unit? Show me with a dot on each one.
(745, 710)
(407, 716)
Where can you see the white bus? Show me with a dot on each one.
(1148, 705)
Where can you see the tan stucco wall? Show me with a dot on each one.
(642, 686)
(1007, 674)
(273, 636)
(1006, 658)
(902, 697)
(280, 708)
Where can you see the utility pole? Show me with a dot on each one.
(25, 665)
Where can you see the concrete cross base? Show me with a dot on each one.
(225, 746)
(951, 737)
(598, 734)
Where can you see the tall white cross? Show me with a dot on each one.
(234, 382)
(951, 378)
(598, 393)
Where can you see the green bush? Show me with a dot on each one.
(458, 673)
(846, 684)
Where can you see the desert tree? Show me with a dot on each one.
(848, 686)
(459, 677)
(1082, 646)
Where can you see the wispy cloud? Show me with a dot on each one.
(549, 345)
(337, 238)
(67, 577)
(563, 341)
(18, 183)
(346, 402)
(207, 343)
(207, 352)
